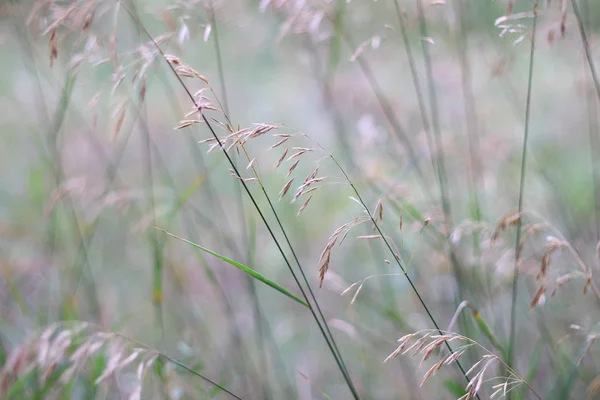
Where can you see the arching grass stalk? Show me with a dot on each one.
(340, 130)
(321, 324)
(513, 309)
(391, 250)
(214, 204)
(428, 342)
(297, 261)
(225, 107)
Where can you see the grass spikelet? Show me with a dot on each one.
(427, 342)
(292, 168)
(304, 205)
(281, 158)
(285, 188)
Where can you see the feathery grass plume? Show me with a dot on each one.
(427, 342)
(62, 350)
(337, 236)
(553, 242)
(361, 283)
(115, 88)
(316, 311)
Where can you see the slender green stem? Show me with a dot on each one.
(329, 340)
(471, 123)
(513, 317)
(433, 105)
(440, 161)
(396, 258)
(238, 191)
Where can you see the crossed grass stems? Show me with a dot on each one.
(441, 338)
(322, 325)
(473, 386)
(308, 294)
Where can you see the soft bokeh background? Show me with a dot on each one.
(89, 167)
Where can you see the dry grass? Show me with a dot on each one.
(408, 179)
(426, 343)
(64, 351)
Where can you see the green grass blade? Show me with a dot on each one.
(485, 329)
(244, 268)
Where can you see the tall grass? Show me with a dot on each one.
(284, 199)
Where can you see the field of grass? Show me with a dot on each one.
(319, 199)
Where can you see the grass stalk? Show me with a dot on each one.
(416, 83)
(440, 162)
(397, 260)
(321, 323)
(515, 280)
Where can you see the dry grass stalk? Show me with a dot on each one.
(59, 347)
(552, 243)
(510, 219)
(285, 188)
(281, 159)
(379, 211)
(361, 283)
(282, 141)
(555, 242)
(427, 342)
(369, 237)
(338, 236)
(184, 123)
(120, 113)
(292, 168)
(538, 296)
(594, 387)
(304, 205)
(590, 340)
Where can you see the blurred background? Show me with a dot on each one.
(424, 105)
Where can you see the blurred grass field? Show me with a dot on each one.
(423, 105)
